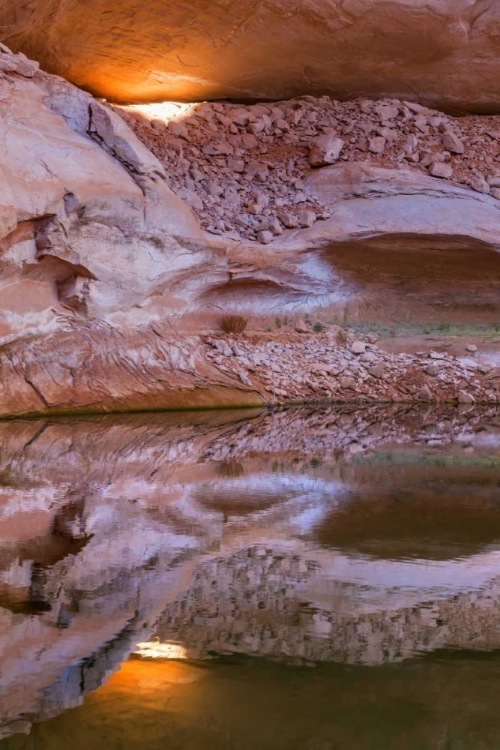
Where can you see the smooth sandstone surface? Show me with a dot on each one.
(88, 222)
(442, 52)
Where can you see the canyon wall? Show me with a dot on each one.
(442, 52)
(124, 238)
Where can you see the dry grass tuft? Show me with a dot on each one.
(233, 323)
(231, 469)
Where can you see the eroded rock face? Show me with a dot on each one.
(102, 263)
(443, 52)
(88, 224)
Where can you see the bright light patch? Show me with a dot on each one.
(166, 111)
(157, 650)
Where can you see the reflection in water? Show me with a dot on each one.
(351, 540)
(157, 650)
(426, 510)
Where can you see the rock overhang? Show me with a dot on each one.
(443, 52)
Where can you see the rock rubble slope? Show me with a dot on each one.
(245, 169)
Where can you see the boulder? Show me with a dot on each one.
(441, 170)
(325, 150)
(452, 143)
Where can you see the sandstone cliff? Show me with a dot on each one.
(105, 269)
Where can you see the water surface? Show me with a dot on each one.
(312, 579)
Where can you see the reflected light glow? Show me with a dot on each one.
(157, 650)
(166, 111)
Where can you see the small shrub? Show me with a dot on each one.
(277, 322)
(233, 323)
(443, 327)
(318, 327)
(341, 336)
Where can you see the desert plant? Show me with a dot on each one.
(233, 323)
(341, 336)
(231, 469)
(443, 327)
(318, 327)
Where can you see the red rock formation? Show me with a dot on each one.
(103, 267)
(443, 52)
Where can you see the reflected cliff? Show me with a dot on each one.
(361, 537)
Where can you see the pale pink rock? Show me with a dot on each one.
(493, 180)
(480, 185)
(290, 221)
(238, 116)
(325, 150)
(179, 129)
(387, 111)
(421, 123)
(441, 170)
(377, 145)
(347, 382)
(306, 218)
(218, 148)
(358, 347)
(235, 164)
(452, 143)
(301, 326)
(265, 237)
(257, 169)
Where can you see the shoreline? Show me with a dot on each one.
(150, 369)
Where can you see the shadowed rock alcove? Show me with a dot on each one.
(445, 52)
(417, 280)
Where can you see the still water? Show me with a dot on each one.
(301, 579)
